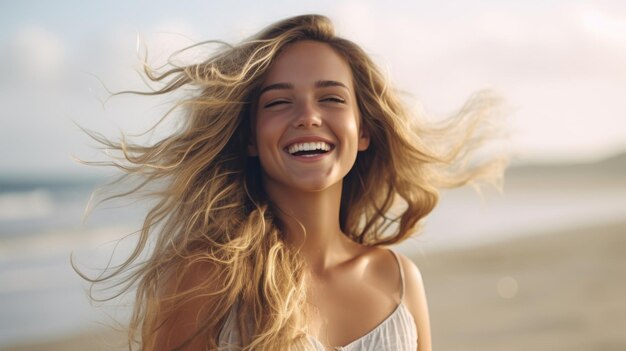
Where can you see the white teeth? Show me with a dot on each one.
(292, 149)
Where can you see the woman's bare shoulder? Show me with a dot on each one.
(385, 266)
(382, 270)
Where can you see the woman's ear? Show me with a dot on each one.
(251, 148)
(364, 139)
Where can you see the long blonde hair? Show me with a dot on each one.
(212, 208)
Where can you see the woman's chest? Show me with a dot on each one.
(342, 313)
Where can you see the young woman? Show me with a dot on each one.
(277, 199)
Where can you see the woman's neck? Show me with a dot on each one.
(324, 245)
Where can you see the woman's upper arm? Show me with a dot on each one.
(179, 321)
(415, 299)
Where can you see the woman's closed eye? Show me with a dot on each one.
(275, 103)
(331, 99)
(335, 99)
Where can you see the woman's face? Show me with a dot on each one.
(307, 126)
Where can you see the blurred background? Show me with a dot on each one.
(540, 266)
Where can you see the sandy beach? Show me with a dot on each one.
(546, 291)
(552, 291)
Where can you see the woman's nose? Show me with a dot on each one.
(308, 116)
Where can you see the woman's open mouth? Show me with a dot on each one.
(309, 149)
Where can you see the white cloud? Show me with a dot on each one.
(560, 66)
(36, 53)
(605, 26)
(165, 39)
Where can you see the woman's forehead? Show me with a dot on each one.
(307, 62)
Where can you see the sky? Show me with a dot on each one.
(559, 65)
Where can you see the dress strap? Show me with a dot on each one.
(401, 273)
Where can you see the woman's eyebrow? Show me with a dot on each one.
(318, 84)
(330, 83)
(276, 86)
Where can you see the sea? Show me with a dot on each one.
(42, 226)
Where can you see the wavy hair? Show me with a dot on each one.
(212, 210)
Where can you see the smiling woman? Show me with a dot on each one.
(307, 98)
(274, 200)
